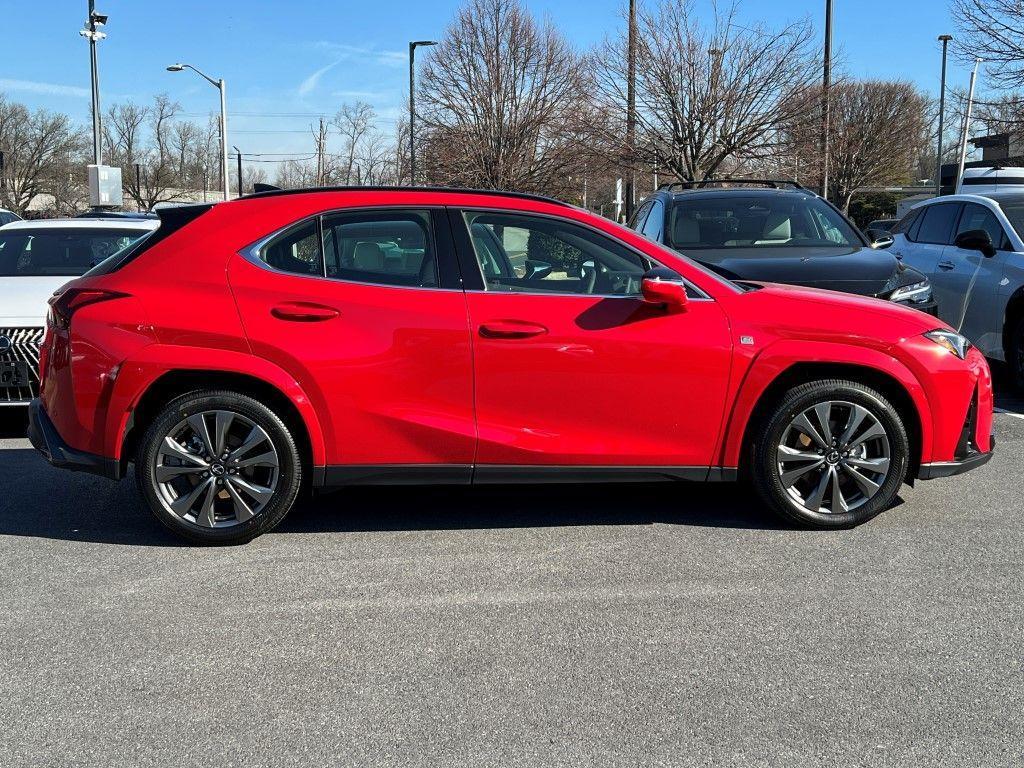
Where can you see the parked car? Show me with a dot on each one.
(37, 258)
(6, 217)
(376, 336)
(777, 231)
(984, 181)
(971, 248)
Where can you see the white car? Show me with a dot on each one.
(37, 258)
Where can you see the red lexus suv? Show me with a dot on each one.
(248, 350)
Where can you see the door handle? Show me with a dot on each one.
(511, 329)
(947, 265)
(303, 312)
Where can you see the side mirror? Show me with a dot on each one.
(537, 270)
(879, 238)
(665, 288)
(976, 240)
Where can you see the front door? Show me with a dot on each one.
(572, 367)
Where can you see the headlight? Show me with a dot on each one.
(953, 342)
(915, 293)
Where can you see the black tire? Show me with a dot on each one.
(1015, 357)
(287, 475)
(766, 475)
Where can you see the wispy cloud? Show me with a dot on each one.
(364, 52)
(311, 82)
(47, 89)
(358, 94)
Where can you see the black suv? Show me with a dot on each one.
(779, 232)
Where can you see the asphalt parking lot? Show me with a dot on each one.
(668, 625)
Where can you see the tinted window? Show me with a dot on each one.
(904, 225)
(979, 217)
(387, 248)
(937, 223)
(757, 221)
(539, 255)
(654, 227)
(60, 252)
(1013, 209)
(637, 222)
(297, 250)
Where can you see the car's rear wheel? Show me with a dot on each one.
(219, 468)
(831, 454)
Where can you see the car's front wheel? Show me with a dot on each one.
(219, 467)
(831, 454)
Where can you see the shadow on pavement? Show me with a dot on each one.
(40, 501)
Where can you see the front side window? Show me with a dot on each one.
(904, 224)
(60, 252)
(654, 227)
(532, 254)
(296, 250)
(381, 247)
(979, 217)
(757, 221)
(936, 225)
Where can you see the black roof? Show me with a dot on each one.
(457, 190)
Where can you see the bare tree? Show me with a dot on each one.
(355, 123)
(707, 94)
(503, 102)
(39, 147)
(879, 130)
(993, 30)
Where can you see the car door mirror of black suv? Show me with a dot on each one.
(879, 238)
(976, 240)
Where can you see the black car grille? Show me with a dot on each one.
(24, 348)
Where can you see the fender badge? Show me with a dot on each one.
(747, 340)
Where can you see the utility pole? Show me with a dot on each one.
(942, 113)
(238, 156)
(826, 85)
(630, 109)
(93, 36)
(138, 185)
(967, 127)
(412, 106)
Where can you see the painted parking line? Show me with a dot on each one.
(1005, 412)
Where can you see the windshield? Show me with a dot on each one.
(64, 252)
(757, 221)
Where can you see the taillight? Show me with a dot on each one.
(63, 305)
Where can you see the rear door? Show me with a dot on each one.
(364, 308)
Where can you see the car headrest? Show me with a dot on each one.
(368, 256)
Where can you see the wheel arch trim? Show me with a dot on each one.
(157, 362)
(787, 360)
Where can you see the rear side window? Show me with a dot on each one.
(937, 224)
(381, 247)
(640, 216)
(654, 227)
(296, 250)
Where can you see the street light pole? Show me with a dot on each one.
(826, 85)
(221, 86)
(967, 127)
(630, 109)
(238, 157)
(412, 106)
(942, 113)
(93, 36)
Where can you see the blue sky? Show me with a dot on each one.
(286, 61)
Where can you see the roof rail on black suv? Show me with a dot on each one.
(771, 183)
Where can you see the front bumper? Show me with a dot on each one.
(949, 468)
(45, 439)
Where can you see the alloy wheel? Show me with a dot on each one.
(216, 469)
(833, 457)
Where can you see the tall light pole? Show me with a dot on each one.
(942, 113)
(93, 35)
(967, 127)
(220, 86)
(412, 106)
(630, 109)
(238, 156)
(826, 85)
